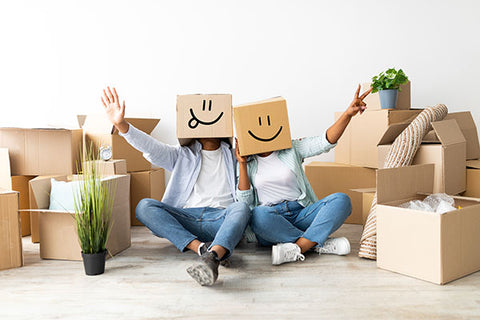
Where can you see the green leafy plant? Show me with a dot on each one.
(390, 79)
(93, 208)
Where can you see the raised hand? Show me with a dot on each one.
(115, 112)
(357, 104)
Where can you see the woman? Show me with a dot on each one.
(286, 213)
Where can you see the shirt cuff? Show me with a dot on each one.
(326, 142)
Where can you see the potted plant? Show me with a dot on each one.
(93, 216)
(387, 84)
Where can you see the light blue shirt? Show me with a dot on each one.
(293, 158)
(183, 161)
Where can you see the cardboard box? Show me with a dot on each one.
(204, 116)
(11, 255)
(145, 184)
(358, 144)
(42, 151)
(448, 157)
(110, 167)
(5, 181)
(98, 131)
(328, 177)
(57, 229)
(367, 195)
(20, 184)
(262, 126)
(403, 98)
(473, 179)
(469, 131)
(434, 247)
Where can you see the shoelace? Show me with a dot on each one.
(293, 255)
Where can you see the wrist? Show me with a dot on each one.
(122, 126)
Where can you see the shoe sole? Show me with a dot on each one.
(202, 274)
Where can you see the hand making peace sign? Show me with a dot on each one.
(357, 104)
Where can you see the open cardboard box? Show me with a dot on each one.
(469, 130)
(42, 151)
(99, 131)
(57, 229)
(434, 247)
(11, 254)
(358, 144)
(448, 156)
(329, 177)
(403, 98)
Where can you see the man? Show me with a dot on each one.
(199, 202)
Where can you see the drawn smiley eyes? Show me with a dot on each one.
(264, 139)
(260, 120)
(194, 121)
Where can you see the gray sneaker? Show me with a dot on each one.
(204, 248)
(205, 270)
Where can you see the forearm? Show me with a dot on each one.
(336, 130)
(243, 180)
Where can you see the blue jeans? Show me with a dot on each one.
(224, 227)
(289, 220)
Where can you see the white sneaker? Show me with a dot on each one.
(340, 246)
(286, 252)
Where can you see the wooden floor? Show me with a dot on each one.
(148, 281)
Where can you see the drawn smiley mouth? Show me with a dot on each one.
(265, 139)
(194, 122)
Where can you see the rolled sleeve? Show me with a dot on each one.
(245, 196)
(313, 146)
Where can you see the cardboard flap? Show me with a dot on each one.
(81, 119)
(392, 132)
(469, 129)
(5, 176)
(404, 182)
(145, 124)
(431, 137)
(475, 164)
(99, 123)
(40, 191)
(448, 132)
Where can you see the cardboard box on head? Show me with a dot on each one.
(204, 116)
(262, 126)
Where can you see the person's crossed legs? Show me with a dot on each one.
(292, 229)
(191, 228)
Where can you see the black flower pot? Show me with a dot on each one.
(94, 263)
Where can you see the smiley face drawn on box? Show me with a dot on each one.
(262, 126)
(204, 116)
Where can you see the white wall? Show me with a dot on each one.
(56, 56)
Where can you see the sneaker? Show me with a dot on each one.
(205, 270)
(339, 246)
(286, 252)
(203, 247)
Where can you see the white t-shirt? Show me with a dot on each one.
(211, 188)
(274, 181)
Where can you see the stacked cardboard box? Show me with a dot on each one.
(435, 247)
(11, 255)
(145, 182)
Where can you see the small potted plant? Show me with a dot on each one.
(387, 84)
(93, 216)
